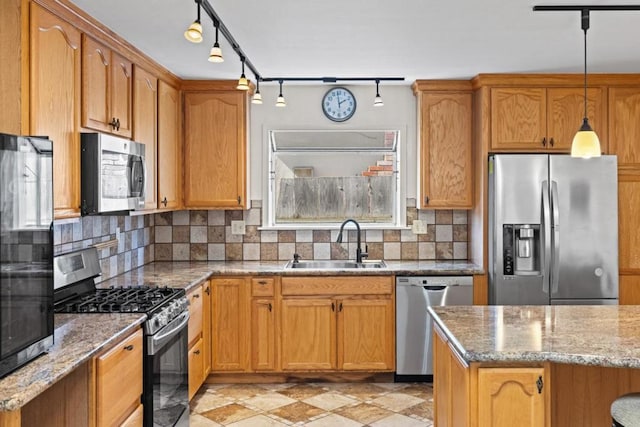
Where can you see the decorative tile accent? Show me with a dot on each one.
(229, 413)
(297, 412)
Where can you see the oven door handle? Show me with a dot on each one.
(157, 341)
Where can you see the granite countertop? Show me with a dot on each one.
(585, 335)
(186, 274)
(77, 338)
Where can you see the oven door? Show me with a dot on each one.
(166, 376)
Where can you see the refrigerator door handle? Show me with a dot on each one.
(546, 237)
(555, 237)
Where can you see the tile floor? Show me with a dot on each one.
(313, 405)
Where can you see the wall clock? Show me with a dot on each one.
(339, 104)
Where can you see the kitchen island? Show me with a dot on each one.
(533, 365)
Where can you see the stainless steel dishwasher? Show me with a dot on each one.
(414, 347)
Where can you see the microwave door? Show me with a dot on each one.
(136, 177)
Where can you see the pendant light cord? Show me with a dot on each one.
(585, 27)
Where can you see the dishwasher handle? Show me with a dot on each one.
(434, 288)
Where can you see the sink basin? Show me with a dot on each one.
(334, 264)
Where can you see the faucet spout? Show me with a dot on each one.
(359, 253)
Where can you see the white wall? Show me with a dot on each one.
(303, 111)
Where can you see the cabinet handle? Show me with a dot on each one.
(196, 352)
(426, 200)
(128, 347)
(270, 307)
(551, 142)
(539, 383)
(196, 295)
(340, 307)
(118, 124)
(262, 282)
(207, 290)
(544, 141)
(113, 123)
(239, 200)
(333, 307)
(164, 202)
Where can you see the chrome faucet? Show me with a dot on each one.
(359, 253)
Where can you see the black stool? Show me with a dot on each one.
(625, 411)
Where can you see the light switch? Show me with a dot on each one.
(237, 227)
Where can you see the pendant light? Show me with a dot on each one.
(257, 97)
(216, 53)
(243, 83)
(280, 102)
(194, 32)
(378, 100)
(585, 143)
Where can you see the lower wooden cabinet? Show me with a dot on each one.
(474, 394)
(199, 336)
(135, 419)
(263, 334)
(230, 323)
(196, 367)
(119, 366)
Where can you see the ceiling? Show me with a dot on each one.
(415, 39)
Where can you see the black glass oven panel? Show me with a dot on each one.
(167, 377)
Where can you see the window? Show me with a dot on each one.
(320, 178)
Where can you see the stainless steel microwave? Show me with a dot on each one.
(113, 176)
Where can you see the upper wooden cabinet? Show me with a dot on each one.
(543, 119)
(169, 147)
(624, 124)
(215, 146)
(106, 89)
(54, 102)
(445, 156)
(145, 120)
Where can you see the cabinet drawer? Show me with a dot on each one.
(196, 368)
(120, 365)
(262, 287)
(195, 314)
(337, 285)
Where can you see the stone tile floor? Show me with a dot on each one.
(313, 405)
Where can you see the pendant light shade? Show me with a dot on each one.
(585, 143)
(194, 32)
(257, 97)
(243, 83)
(280, 102)
(215, 55)
(377, 102)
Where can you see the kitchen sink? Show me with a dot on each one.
(333, 264)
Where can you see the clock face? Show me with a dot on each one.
(339, 104)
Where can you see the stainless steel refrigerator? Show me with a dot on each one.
(553, 229)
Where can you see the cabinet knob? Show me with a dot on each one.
(333, 307)
(270, 307)
(426, 200)
(340, 307)
(113, 123)
(207, 290)
(262, 282)
(117, 124)
(196, 295)
(164, 202)
(539, 384)
(544, 141)
(551, 142)
(239, 200)
(196, 352)
(129, 347)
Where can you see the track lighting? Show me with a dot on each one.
(586, 143)
(280, 101)
(194, 32)
(257, 97)
(243, 83)
(216, 53)
(378, 100)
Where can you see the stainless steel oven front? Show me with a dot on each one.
(166, 375)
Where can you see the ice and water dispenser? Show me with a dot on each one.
(521, 249)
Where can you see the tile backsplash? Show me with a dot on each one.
(206, 235)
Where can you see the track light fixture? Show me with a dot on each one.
(585, 143)
(194, 32)
(280, 102)
(377, 102)
(215, 55)
(243, 83)
(257, 97)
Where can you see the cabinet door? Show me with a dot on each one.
(120, 91)
(518, 118)
(628, 236)
(145, 115)
(169, 147)
(446, 150)
(195, 314)
(214, 164)
(96, 67)
(308, 334)
(565, 111)
(624, 124)
(510, 397)
(263, 334)
(196, 368)
(206, 327)
(120, 365)
(230, 325)
(55, 102)
(366, 334)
